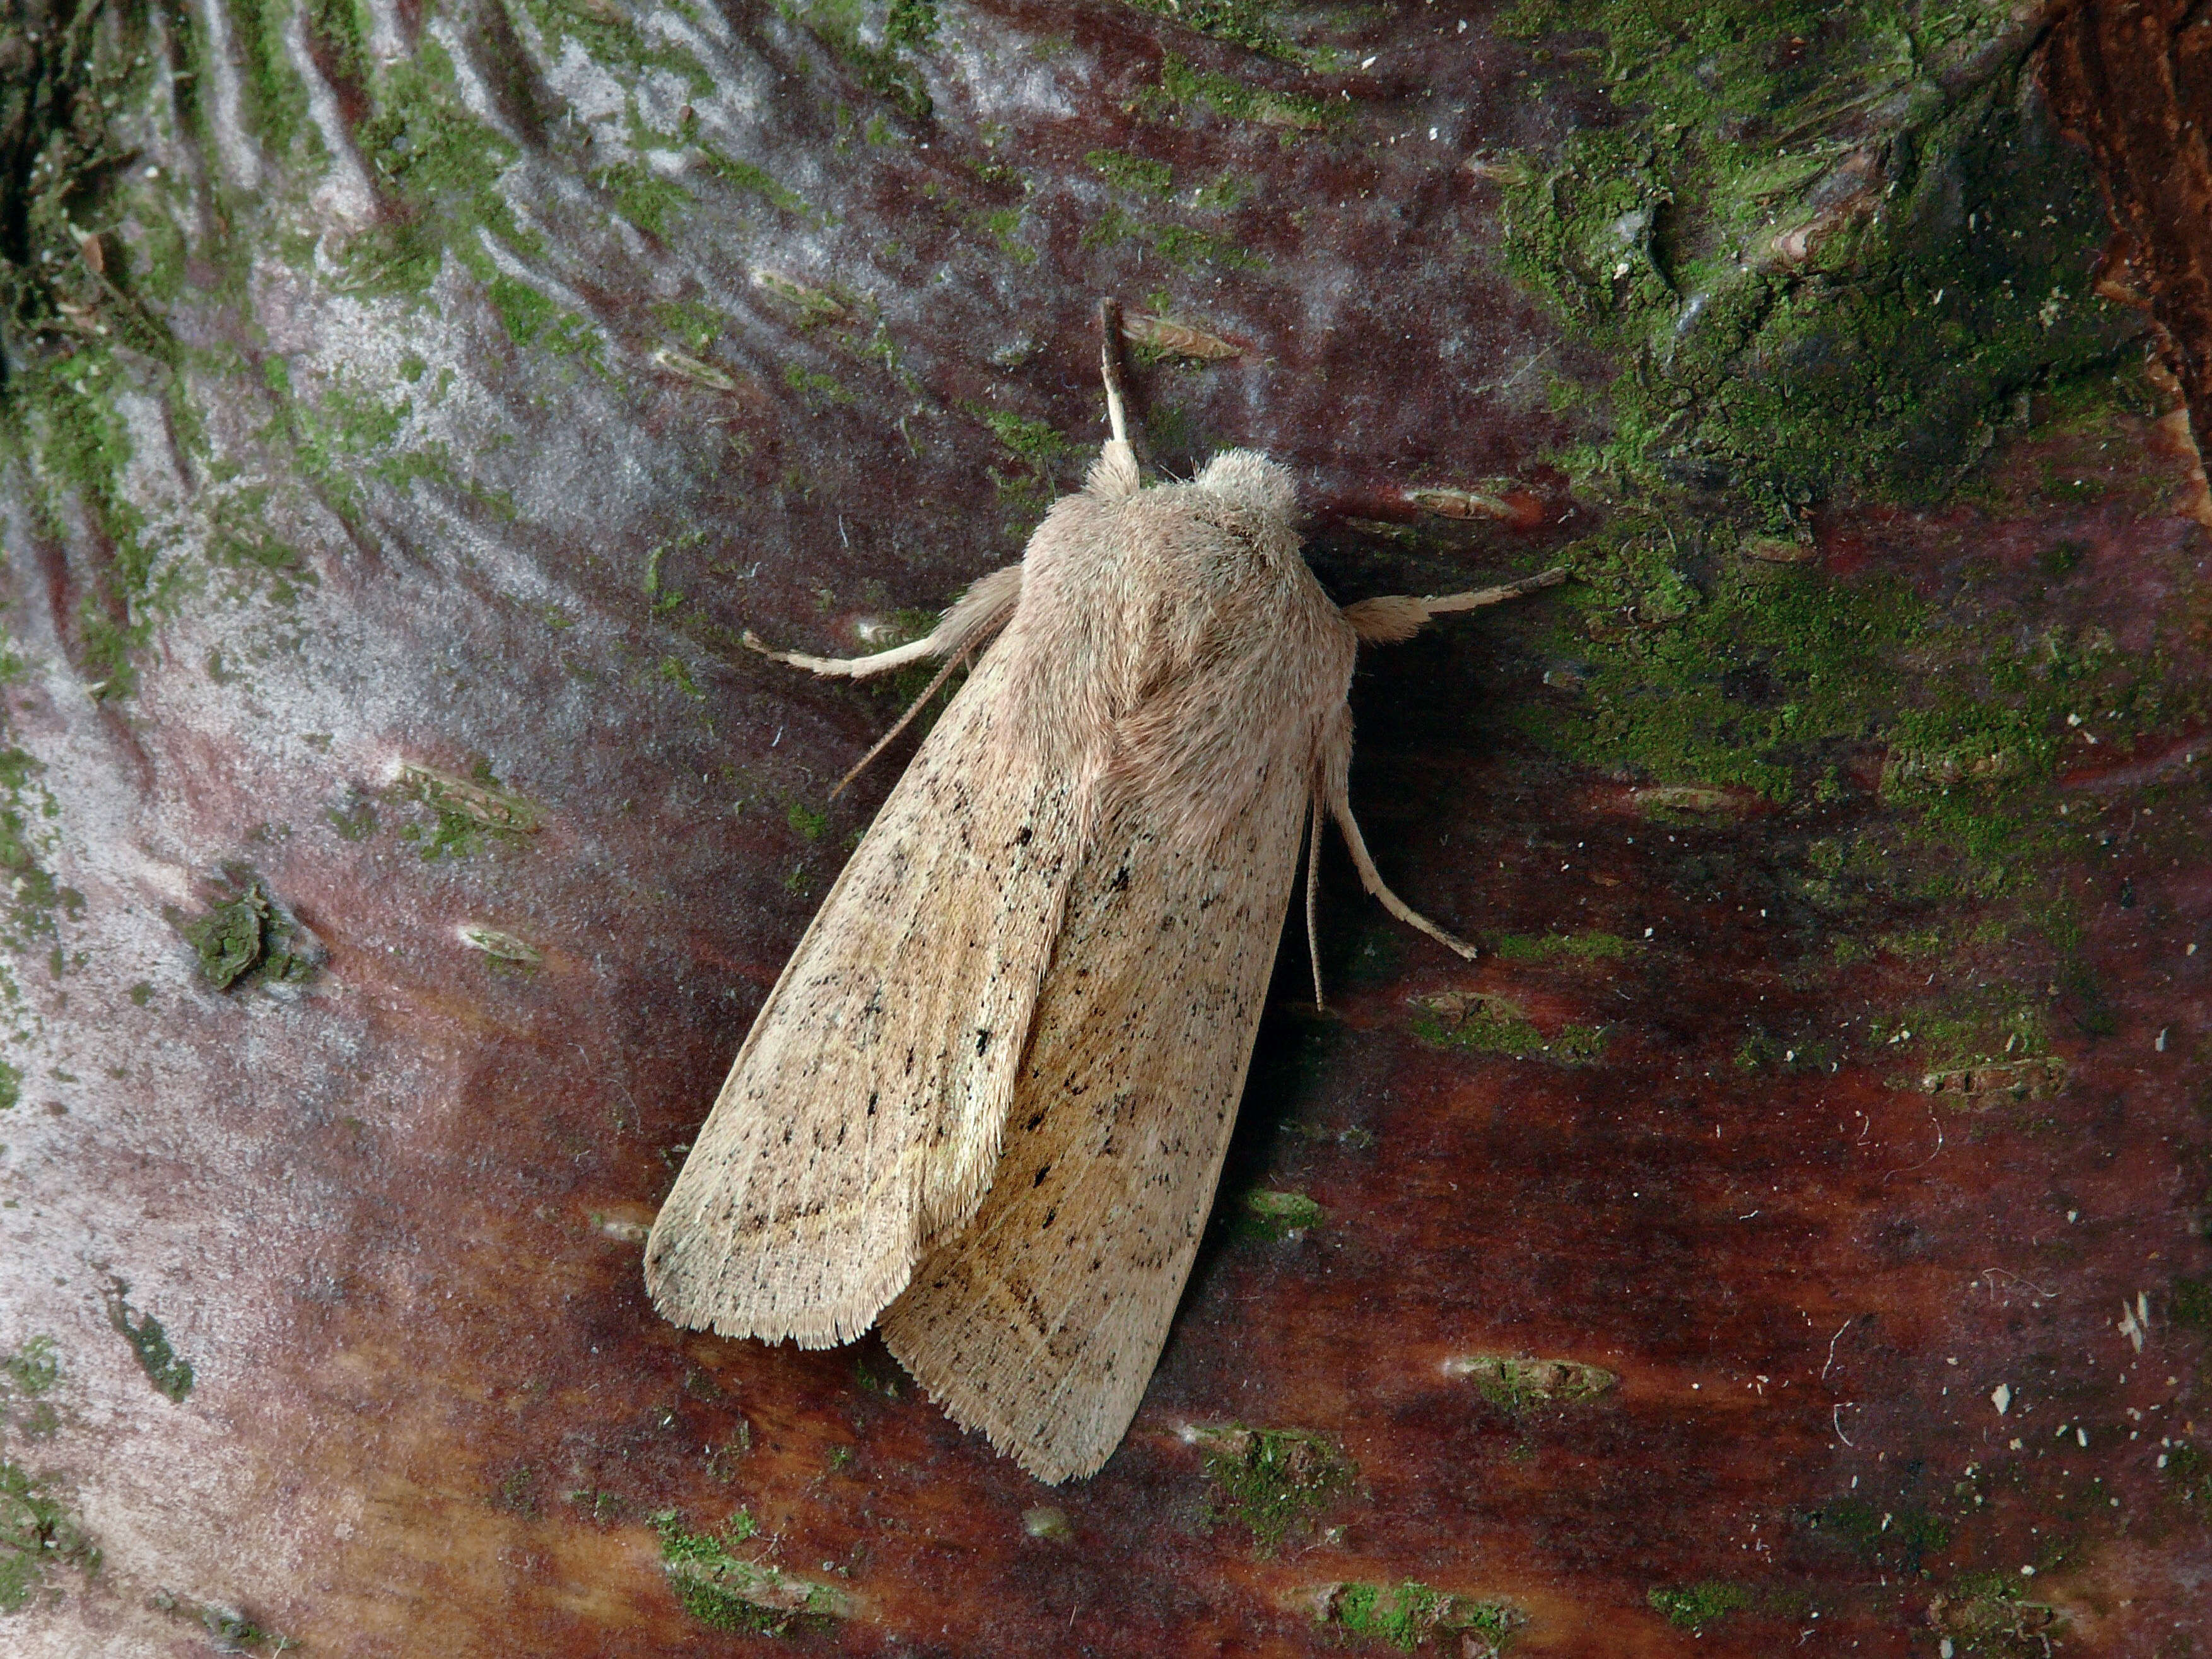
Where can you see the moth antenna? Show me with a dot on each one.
(1109, 363)
(1114, 475)
(904, 720)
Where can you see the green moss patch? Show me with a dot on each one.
(1556, 947)
(744, 175)
(1251, 24)
(354, 818)
(37, 1535)
(32, 1370)
(1140, 175)
(1484, 1024)
(644, 196)
(1693, 1606)
(26, 1378)
(1815, 266)
(1277, 1216)
(29, 833)
(889, 61)
(469, 815)
(1038, 452)
(441, 168)
(340, 28)
(820, 391)
(277, 98)
(352, 433)
(1184, 246)
(241, 542)
(1183, 90)
(1698, 670)
(611, 40)
(1273, 1480)
(1037, 445)
(1408, 1614)
(169, 1373)
(248, 937)
(1979, 1045)
(531, 318)
(729, 1592)
(62, 416)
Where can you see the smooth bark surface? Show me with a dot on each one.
(1788, 1234)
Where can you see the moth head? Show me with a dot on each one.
(1245, 478)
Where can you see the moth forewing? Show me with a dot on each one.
(862, 1114)
(1040, 1322)
(988, 1098)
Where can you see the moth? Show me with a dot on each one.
(986, 1104)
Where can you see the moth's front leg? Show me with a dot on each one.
(1398, 617)
(976, 614)
(974, 617)
(855, 668)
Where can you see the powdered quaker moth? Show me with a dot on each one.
(986, 1104)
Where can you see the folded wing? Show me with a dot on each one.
(1040, 1322)
(863, 1115)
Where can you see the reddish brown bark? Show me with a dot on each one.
(2133, 81)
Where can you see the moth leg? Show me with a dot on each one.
(1313, 898)
(855, 668)
(1371, 879)
(905, 720)
(1396, 616)
(975, 616)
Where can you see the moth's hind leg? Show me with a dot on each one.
(975, 616)
(1331, 792)
(1371, 879)
(1313, 898)
(1385, 621)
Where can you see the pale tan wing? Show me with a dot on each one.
(863, 1114)
(1040, 1323)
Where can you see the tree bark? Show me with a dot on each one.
(1788, 1233)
